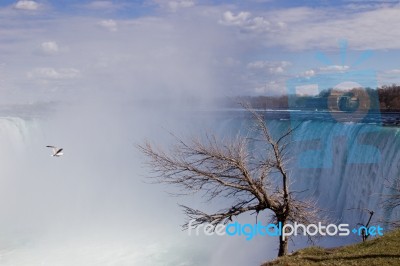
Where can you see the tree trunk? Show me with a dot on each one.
(283, 244)
(283, 247)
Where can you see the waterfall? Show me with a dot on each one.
(343, 165)
(93, 208)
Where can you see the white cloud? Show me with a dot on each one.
(49, 48)
(261, 1)
(358, 5)
(257, 72)
(273, 67)
(308, 73)
(27, 5)
(246, 21)
(148, 51)
(105, 6)
(388, 77)
(175, 5)
(147, 57)
(109, 24)
(325, 69)
(228, 18)
(394, 71)
(53, 74)
(334, 68)
(277, 70)
(100, 5)
(320, 29)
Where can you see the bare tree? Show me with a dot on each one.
(251, 181)
(364, 227)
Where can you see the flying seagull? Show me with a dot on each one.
(56, 151)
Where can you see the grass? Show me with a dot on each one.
(384, 250)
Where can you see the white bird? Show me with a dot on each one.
(56, 151)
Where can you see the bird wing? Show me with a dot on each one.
(53, 147)
(58, 151)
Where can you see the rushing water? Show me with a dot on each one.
(91, 207)
(343, 164)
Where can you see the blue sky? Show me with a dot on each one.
(56, 50)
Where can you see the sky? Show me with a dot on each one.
(180, 49)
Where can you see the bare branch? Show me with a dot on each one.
(229, 169)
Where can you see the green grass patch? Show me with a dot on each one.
(384, 250)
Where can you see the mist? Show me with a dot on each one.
(94, 205)
(103, 88)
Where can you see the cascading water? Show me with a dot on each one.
(358, 159)
(343, 165)
(92, 208)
